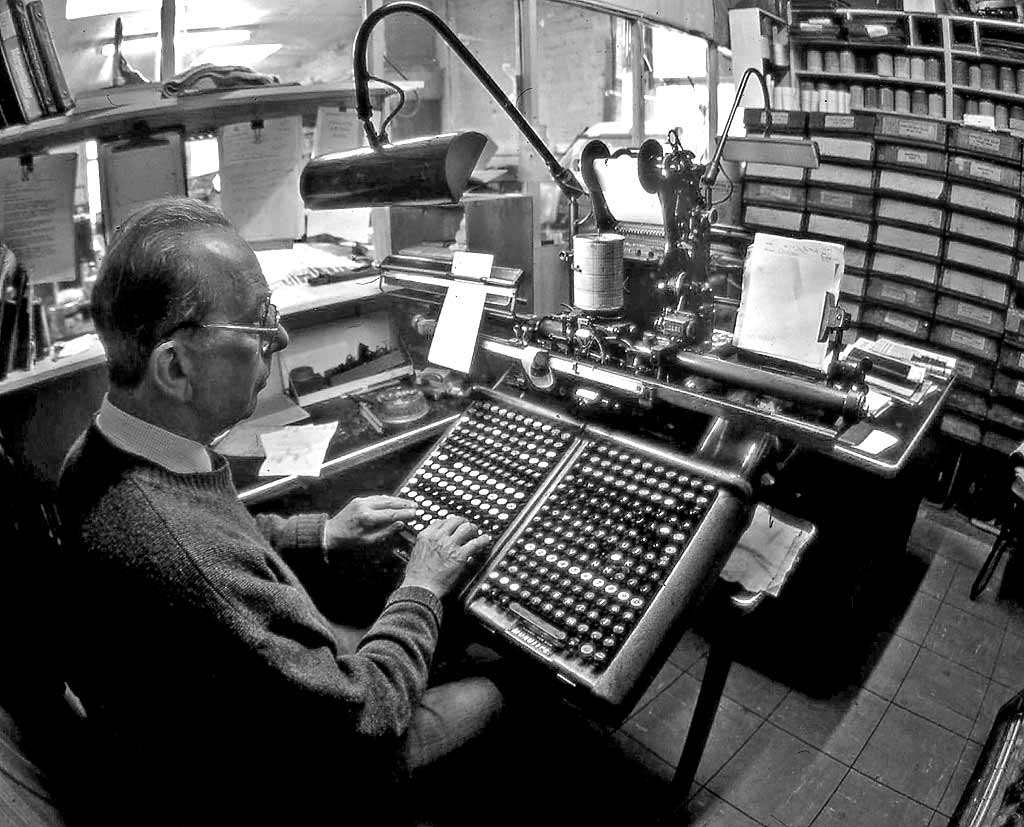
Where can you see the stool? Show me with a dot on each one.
(1009, 535)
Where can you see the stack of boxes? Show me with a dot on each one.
(929, 213)
(774, 197)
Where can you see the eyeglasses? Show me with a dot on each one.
(267, 329)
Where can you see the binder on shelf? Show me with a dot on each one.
(900, 211)
(919, 158)
(999, 146)
(958, 311)
(838, 175)
(913, 299)
(48, 53)
(985, 201)
(982, 229)
(35, 60)
(998, 264)
(842, 202)
(909, 241)
(904, 267)
(22, 101)
(980, 288)
(8, 304)
(911, 184)
(984, 172)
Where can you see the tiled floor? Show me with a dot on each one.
(894, 745)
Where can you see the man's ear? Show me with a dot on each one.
(169, 370)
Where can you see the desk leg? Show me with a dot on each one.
(720, 657)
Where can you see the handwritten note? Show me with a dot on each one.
(299, 450)
(784, 286)
(133, 172)
(259, 175)
(336, 130)
(457, 325)
(36, 215)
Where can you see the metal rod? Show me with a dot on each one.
(711, 175)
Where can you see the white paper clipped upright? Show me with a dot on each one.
(259, 174)
(336, 130)
(784, 285)
(133, 172)
(457, 325)
(36, 209)
(472, 265)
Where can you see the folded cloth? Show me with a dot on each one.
(767, 551)
(207, 77)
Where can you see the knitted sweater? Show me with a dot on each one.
(203, 661)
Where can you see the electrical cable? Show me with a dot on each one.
(397, 109)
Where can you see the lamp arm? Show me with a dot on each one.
(713, 168)
(563, 177)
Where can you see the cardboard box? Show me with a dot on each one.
(902, 296)
(841, 229)
(845, 150)
(770, 218)
(902, 267)
(906, 129)
(859, 124)
(972, 285)
(996, 263)
(839, 202)
(1002, 147)
(985, 202)
(783, 121)
(984, 173)
(901, 211)
(775, 172)
(970, 342)
(909, 241)
(792, 196)
(918, 158)
(996, 233)
(839, 175)
(905, 184)
(968, 314)
(894, 321)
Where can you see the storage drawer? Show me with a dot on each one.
(894, 321)
(970, 402)
(901, 211)
(989, 232)
(996, 263)
(916, 300)
(1011, 358)
(965, 341)
(961, 428)
(975, 286)
(975, 374)
(916, 158)
(843, 202)
(773, 219)
(920, 187)
(1005, 148)
(968, 314)
(984, 173)
(915, 242)
(792, 196)
(902, 267)
(911, 130)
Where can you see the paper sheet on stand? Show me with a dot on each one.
(455, 336)
(36, 209)
(259, 173)
(136, 171)
(784, 286)
(299, 450)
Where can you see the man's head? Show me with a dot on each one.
(178, 304)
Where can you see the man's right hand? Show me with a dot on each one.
(441, 554)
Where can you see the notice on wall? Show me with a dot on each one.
(36, 214)
(259, 175)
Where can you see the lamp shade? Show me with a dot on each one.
(419, 171)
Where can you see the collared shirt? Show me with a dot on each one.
(143, 439)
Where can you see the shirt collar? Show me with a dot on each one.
(150, 442)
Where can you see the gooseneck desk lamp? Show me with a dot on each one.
(422, 171)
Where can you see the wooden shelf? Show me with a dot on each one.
(852, 77)
(824, 43)
(1012, 97)
(195, 114)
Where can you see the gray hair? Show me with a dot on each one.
(147, 287)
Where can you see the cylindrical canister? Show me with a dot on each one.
(936, 105)
(988, 76)
(917, 68)
(919, 102)
(987, 108)
(971, 107)
(1007, 79)
(597, 272)
(813, 60)
(933, 69)
(856, 96)
(901, 66)
(871, 97)
(847, 63)
(901, 100)
(959, 104)
(974, 76)
(1002, 116)
(832, 61)
(883, 64)
(960, 72)
(886, 101)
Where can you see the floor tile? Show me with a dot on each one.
(862, 802)
(668, 674)
(778, 779)
(637, 752)
(917, 619)
(942, 691)
(959, 594)
(708, 810)
(748, 687)
(911, 755)
(1010, 663)
(662, 725)
(888, 664)
(964, 638)
(839, 725)
(689, 650)
(968, 551)
(961, 775)
(996, 694)
(938, 577)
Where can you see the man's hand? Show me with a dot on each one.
(368, 520)
(441, 554)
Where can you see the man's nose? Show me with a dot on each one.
(281, 339)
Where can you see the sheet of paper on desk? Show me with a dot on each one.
(299, 450)
(784, 286)
(876, 442)
(454, 339)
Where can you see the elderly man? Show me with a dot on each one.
(221, 691)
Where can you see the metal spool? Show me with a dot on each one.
(597, 272)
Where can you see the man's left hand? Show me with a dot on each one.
(368, 520)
